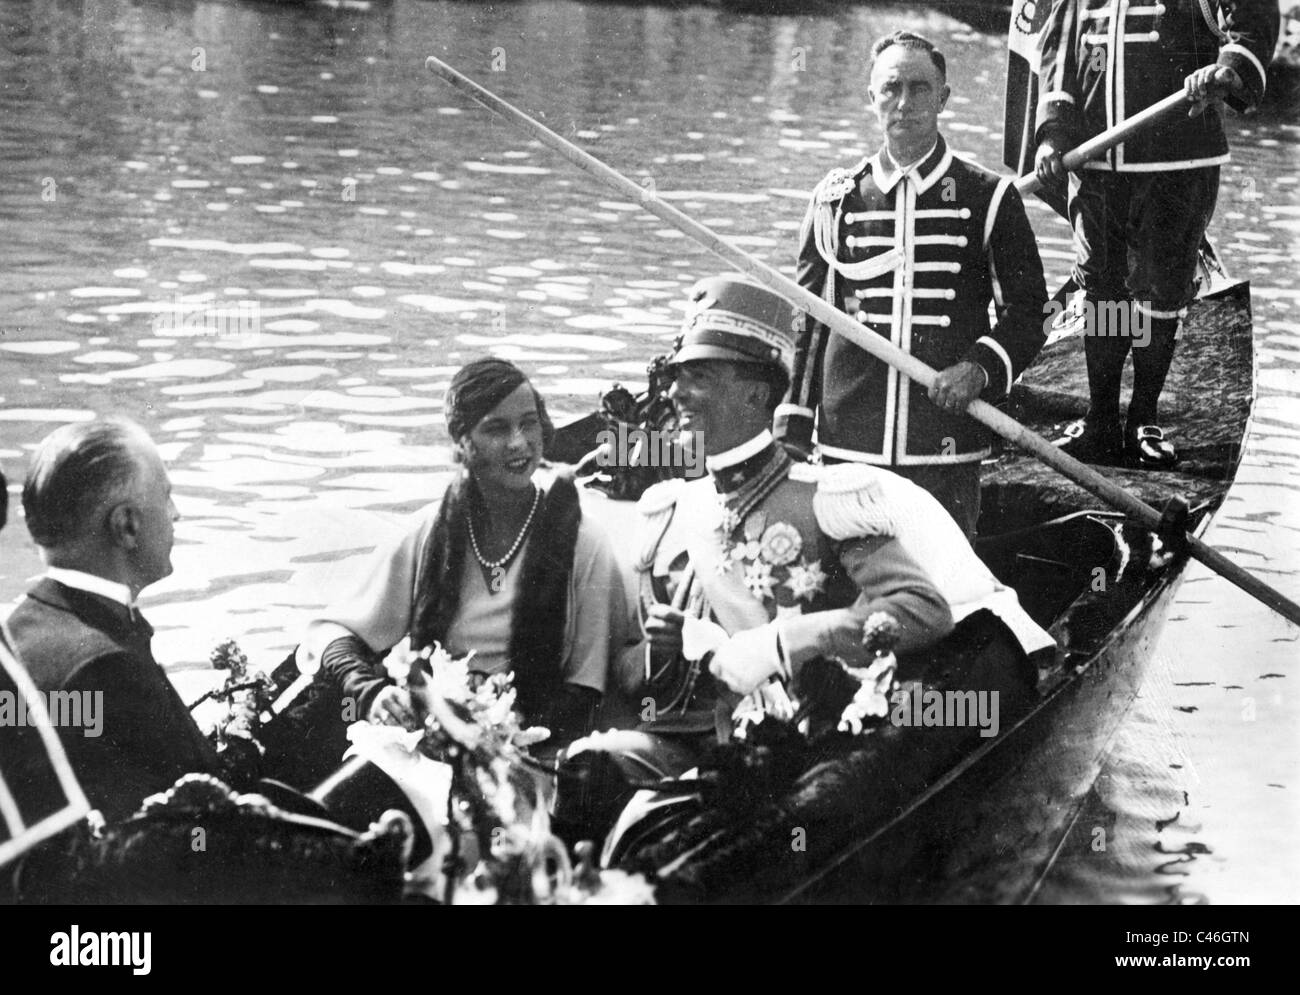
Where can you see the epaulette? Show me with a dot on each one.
(835, 185)
(849, 502)
(841, 478)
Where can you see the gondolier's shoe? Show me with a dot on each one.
(1145, 446)
(1093, 442)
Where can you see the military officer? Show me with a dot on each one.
(749, 574)
(915, 243)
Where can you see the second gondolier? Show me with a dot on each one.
(1139, 215)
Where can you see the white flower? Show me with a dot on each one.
(496, 711)
(450, 679)
(748, 713)
(533, 734)
(399, 660)
(872, 698)
(806, 580)
(759, 579)
(614, 888)
(745, 551)
(781, 544)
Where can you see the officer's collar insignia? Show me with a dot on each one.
(731, 479)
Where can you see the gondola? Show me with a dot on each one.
(900, 815)
(893, 814)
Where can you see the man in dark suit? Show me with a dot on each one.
(98, 504)
(44, 797)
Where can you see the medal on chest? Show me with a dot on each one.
(768, 556)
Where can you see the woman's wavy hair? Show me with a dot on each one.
(478, 387)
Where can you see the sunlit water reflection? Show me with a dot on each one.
(269, 235)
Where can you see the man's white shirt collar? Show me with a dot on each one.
(886, 173)
(741, 453)
(95, 585)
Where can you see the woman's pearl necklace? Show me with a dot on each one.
(498, 566)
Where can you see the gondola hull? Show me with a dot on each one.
(989, 829)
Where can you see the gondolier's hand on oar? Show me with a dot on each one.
(1048, 164)
(1209, 85)
(954, 388)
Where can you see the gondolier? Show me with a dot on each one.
(915, 242)
(1139, 214)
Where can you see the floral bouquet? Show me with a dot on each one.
(497, 845)
(880, 634)
(462, 710)
(834, 696)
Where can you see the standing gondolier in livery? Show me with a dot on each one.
(1140, 213)
(915, 243)
(752, 578)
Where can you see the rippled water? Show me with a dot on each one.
(266, 232)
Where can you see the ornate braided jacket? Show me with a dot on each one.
(938, 258)
(1105, 60)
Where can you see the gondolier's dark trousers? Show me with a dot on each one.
(1137, 236)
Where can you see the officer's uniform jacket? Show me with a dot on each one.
(1105, 60)
(819, 551)
(917, 258)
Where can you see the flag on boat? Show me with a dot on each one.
(1028, 18)
(1024, 57)
(39, 794)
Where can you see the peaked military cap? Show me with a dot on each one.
(736, 319)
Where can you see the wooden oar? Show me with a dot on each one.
(1099, 145)
(880, 347)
